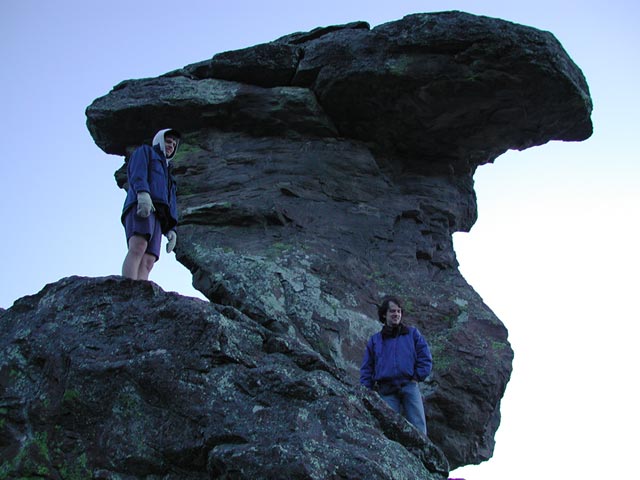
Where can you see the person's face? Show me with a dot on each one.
(394, 314)
(169, 145)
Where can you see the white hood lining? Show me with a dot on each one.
(159, 140)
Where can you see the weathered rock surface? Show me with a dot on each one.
(317, 173)
(443, 92)
(110, 378)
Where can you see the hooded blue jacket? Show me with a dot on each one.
(148, 171)
(396, 360)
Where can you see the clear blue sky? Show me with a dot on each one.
(554, 252)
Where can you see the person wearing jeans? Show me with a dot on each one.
(395, 360)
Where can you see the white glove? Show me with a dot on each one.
(145, 205)
(172, 236)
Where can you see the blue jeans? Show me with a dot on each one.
(408, 403)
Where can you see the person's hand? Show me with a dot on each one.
(172, 236)
(145, 205)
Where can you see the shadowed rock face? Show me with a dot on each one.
(441, 92)
(318, 173)
(110, 378)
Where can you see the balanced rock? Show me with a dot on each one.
(326, 169)
(318, 173)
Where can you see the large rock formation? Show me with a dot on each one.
(318, 173)
(133, 382)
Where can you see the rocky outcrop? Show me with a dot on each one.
(110, 378)
(441, 92)
(318, 172)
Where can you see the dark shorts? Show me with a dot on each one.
(149, 228)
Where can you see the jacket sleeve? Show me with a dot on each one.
(424, 362)
(368, 365)
(138, 170)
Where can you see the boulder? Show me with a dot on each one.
(110, 378)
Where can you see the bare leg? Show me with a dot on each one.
(146, 265)
(132, 262)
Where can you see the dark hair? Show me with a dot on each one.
(384, 307)
(173, 133)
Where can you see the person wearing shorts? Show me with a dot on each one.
(150, 208)
(149, 228)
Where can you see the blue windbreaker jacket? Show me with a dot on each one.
(396, 360)
(148, 171)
